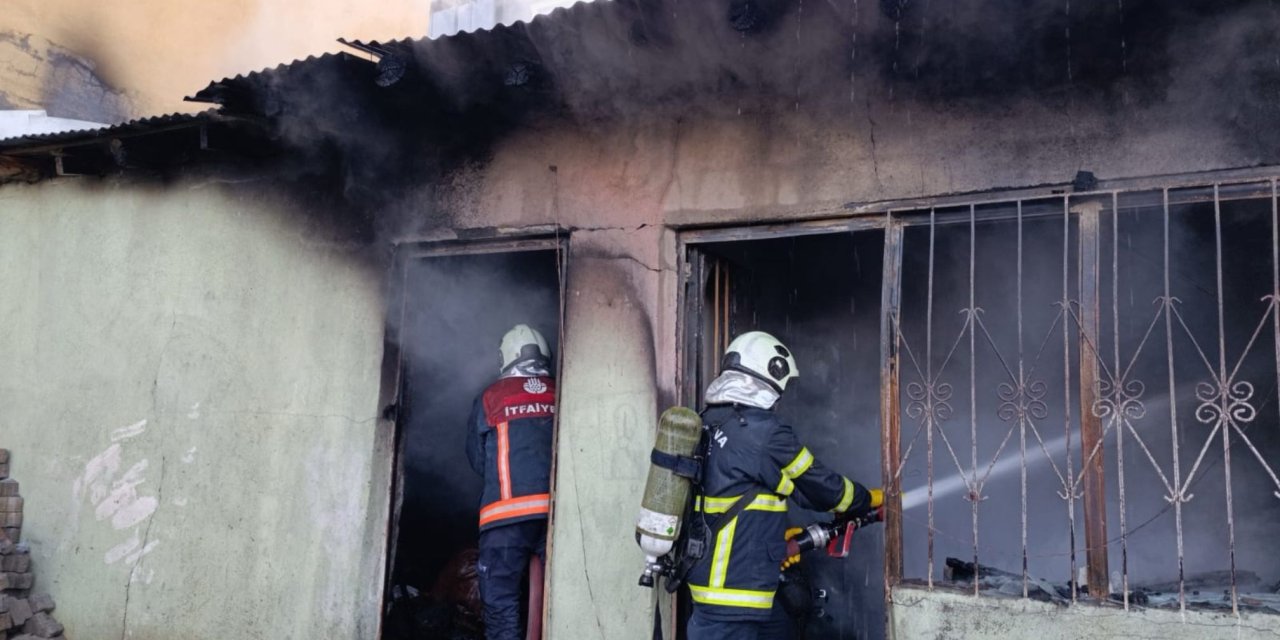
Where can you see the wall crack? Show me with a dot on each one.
(586, 575)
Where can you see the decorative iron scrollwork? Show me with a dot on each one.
(1225, 402)
(1022, 401)
(1123, 400)
(930, 401)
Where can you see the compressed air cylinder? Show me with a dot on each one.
(665, 493)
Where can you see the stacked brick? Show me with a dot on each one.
(24, 615)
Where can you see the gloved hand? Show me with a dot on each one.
(875, 503)
(790, 561)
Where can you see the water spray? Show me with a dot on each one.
(1155, 411)
(958, 482)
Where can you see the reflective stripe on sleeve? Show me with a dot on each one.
(785, 486)
(799, 465)
(732, 597)
(847, 499)
(515, 508)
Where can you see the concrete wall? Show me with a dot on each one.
(920, 614)
(190, 390)
(609, 404)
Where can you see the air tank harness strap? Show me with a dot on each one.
(683, 466)
(696, 546)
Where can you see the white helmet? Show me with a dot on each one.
(523, 343)
(762, 356)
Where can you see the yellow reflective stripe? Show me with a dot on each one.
(785, 486)
(847, 499)
(768, 503)
(717, 505)
(799, 465)
(763, 502)
(732, 597)
(724, 547)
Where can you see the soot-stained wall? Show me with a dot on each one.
(648, 115)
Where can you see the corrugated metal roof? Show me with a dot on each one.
(133, 127)
(591, 59)
(477, 42)
(221, 91)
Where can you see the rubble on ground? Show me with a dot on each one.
(24, 613)
(451, 610)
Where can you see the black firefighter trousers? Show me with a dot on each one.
(503, 568)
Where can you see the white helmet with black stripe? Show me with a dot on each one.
(762, 356)
(523, 343)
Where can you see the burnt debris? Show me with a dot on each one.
(1210, 590)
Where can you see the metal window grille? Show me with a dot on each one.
(1024, 315)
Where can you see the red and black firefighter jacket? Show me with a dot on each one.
(509, 445)
(750, 452)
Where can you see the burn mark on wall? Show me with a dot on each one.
(39, 74)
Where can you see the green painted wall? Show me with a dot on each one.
(190, 390)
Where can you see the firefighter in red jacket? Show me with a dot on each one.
(509, 445)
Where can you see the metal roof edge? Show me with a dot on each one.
(28, 143)
(380, 48)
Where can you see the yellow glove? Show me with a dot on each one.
(877, 498)
(790, 561)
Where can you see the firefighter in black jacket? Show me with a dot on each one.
(509, 445)
(755, 457)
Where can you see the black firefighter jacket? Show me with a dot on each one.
(509, 445)
(750, 451)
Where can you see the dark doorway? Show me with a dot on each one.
(820, 295)
(456, 309)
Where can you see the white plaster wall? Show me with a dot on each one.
(189, 391)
